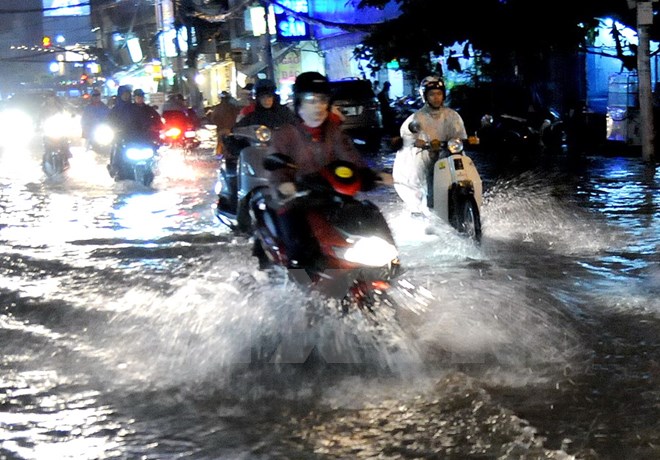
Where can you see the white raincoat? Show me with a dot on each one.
(411, 164)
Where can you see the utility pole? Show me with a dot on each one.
(270, 70)
(644, 23)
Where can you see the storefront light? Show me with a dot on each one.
(134, 49)
(257, 22)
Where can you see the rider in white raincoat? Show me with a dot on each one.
(412, 165)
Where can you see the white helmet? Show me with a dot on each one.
(429, 83)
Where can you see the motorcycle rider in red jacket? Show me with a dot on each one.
(313, 142)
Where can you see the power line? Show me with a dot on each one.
(41, 10)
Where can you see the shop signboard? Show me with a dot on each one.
(290, 22)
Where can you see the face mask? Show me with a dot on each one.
(313, 109)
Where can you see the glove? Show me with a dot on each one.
(287, 188)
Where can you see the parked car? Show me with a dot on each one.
(357, 102)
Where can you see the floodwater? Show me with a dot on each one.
(127, 316)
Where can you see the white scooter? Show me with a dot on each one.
(438, 177)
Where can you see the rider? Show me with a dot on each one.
(131, 121)
(266, 109)
(93, 114)
(434, 121)
(119, 119)
(312, 142)
(223, 116)
(54, 111)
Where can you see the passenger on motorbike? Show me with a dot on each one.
(312, 142)
(146, 120)
(412, 167)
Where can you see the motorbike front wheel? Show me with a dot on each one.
(466, 218)
(53, 164)
(143, 175)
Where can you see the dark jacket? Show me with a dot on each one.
(146, 123)
(278, 115)
(119, 117)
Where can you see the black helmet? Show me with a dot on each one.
(123, 89)
(429, 83)
(264, 86)
(311, 82)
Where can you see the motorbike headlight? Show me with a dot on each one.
(139, 153)
(263, 134)
(103, 135)
(455, 145)
(56, 126)
(372, 251)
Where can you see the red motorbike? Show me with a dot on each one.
(350, 252)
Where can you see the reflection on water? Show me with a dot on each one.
(133, 325)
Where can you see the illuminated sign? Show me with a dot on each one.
(290, 27)
(65, 8)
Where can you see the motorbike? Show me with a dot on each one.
(137, 160)
(354, 255)
(241, 174)
(179, 132)
(56, 155)
(511, 133)
(350, 253)
(453, 185)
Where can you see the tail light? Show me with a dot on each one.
(173, 133)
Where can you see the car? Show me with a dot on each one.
(356, 101)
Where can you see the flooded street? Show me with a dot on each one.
(127, 315)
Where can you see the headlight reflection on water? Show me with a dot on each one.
(55, 425)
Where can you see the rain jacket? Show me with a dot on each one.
(411, 167)
(313, 148)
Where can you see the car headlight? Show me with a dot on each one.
(372, 251)
(139, 153)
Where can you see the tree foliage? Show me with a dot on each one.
(517, 35)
